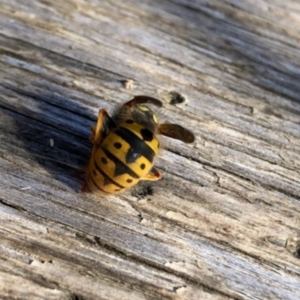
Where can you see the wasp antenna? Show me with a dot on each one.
(143, 99)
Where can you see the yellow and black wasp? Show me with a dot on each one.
(125, 146)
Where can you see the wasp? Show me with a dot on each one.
(125, 146)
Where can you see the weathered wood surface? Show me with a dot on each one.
(224, 222)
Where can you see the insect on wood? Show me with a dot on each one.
(125, 146)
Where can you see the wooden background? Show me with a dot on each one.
(224, 222)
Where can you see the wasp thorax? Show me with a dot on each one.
(144, 116)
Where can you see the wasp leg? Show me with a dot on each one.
(97, 136)
(152, 176)
(104, 122)
(80, 171)
(97, 130)
(93, 128)
(177, 132)
(84, 187)
(143, 99)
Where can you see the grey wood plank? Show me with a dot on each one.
(223, 223)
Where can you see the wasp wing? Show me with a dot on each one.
(177, 132)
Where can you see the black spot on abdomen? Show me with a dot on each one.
(118, 145)
(147, 134)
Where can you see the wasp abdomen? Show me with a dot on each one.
(123, 158)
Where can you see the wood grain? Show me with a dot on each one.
(224, 221)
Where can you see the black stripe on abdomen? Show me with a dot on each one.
(120, 167)
(138, 147)
(90, 178)
(107, 179)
